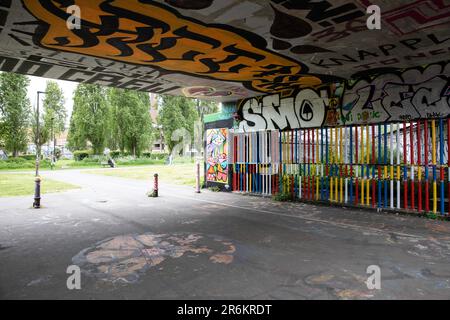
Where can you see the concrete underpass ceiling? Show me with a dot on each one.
(219, 49)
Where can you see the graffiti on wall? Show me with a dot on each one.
(209, 92)
(157, 36)
(216, 155)
(418, 15)
(306, 109)
(4, 6)
(57, 68)
(415, 93)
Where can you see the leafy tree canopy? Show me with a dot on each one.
(55, 113)
(131, 124)
(89, 120)
(15, 112)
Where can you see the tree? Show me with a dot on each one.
(131, 125)
(55, 113)
(75, 139)
(2, 130)
(205, 107)
(14, 112)
(89, 120)
(176, 113)
(44, 134)
(190, 114)
(2, 134)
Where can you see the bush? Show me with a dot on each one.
(282, 197)
(81, 154)
(144, 155)
(114, 154)
(154, 156)
(28, 157)
(16, 163)
(159, 156)
(130, 161)
(15, 160)
(117, 154)
(91, 160)
(20, 163)
(46, 163)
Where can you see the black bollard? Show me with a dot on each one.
(37, 193)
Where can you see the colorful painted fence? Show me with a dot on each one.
(401, 165)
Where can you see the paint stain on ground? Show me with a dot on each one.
(191, 221)
(124, 258)
(438, 227)
(341, 284)
(430, 249)
(321, 278)
(222, 258)
(420, 247)
(39, 281)
(353, 294)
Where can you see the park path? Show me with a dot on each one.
(275, 250)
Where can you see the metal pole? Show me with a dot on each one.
(37, 137)
(54, 139)
(197, 177)
(53, 151)
(37, 180)
(37, 188)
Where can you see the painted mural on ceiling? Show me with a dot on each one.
(220, 49)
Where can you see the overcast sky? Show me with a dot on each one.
(39, 84)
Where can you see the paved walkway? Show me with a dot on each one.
(211, 245)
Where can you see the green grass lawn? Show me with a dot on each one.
(183, 174)
(23, 184)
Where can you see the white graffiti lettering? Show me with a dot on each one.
(413, 94)
(416, 93)
(307, 109)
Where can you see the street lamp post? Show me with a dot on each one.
(37, 188)
(52, 136)
(54, 143)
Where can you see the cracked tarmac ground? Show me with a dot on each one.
(210, 246)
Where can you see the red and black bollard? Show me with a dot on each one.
(155, 185)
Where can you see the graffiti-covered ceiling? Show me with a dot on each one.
(219, 49)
